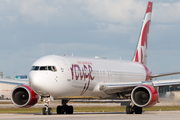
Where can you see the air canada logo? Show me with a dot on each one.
(141, 53)
(82, 73)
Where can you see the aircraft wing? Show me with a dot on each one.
(172, 82)
(165, 74)
(127, 87)
(15, 81)
(110, 88)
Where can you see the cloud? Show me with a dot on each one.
(115, 11)
(167, 13)
(68, 48)
(108, 15)
(113, 28)
(109, 28)
(37, 10)
(111, 11)
(20, 61)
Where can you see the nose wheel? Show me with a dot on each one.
(64, 109)
(46, 110)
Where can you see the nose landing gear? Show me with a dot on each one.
(64, 109)
(46, 110)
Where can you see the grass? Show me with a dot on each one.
(162, 108)
(89, 109)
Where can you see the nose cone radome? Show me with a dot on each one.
(37, 84)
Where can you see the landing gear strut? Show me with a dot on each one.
(64, 108)
(133, 109)
(46, 110)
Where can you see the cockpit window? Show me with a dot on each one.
(52, 68)
(44, 68)
(35, 68)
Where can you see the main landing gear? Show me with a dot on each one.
(133, 109)
(64, 108)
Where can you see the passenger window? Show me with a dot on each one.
(43, 68)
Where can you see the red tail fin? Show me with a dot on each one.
(142, 47)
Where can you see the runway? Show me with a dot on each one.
(155, 115)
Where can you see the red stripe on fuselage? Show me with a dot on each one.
(148, 73)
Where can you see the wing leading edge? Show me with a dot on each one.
(126, 87)
(165, 74)
(15, 81)
(113, 88)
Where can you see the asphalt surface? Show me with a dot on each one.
(155, 115)
(85, 105)
(147, 115)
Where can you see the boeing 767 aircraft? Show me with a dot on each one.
(65, 77)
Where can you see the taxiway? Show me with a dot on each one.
(155, 115)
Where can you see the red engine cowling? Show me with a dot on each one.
(144, 96)
(24, 96)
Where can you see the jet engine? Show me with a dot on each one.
(24, 96)
(144, 96)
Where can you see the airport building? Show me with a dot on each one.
(169, 90)
(6, 89)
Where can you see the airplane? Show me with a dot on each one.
(68, 78)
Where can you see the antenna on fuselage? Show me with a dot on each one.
(96, 57)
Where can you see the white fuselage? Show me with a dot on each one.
(81, 76)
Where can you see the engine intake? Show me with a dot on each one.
(24, 96)
(144, 96)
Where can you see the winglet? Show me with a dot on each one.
(141, 52)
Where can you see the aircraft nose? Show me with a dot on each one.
(36, 83)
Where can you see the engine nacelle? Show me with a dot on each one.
(24, 96)
(144, 96)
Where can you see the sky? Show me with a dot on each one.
(30, 29)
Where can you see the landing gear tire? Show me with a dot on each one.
(64, 109)
(44, 111)
(133, 109)
(137, 110)
(60, 110)
(69, 109)
(47, 112)
(129, 110)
